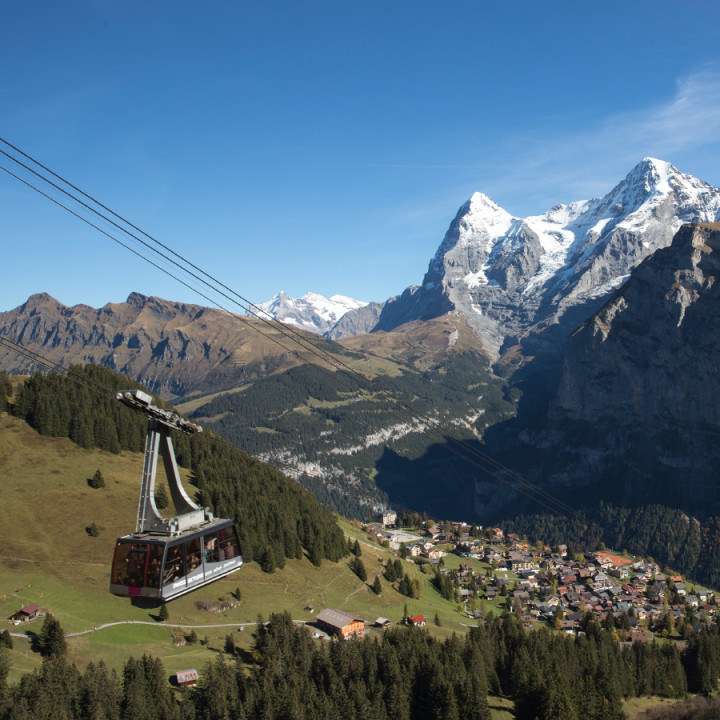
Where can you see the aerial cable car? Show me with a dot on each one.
(168, 557)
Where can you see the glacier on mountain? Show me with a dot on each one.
(312, 312)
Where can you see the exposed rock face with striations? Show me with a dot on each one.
(638, 408)
(535, 279)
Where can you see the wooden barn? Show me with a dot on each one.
(342, 624)
(29, 612)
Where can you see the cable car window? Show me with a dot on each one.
(174, 565)
(212, 553)
(192, 553)
(136, 563)
(120, 565)
(154, 564)
(229, 544)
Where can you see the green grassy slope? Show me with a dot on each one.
(46, 557)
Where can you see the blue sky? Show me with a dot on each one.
(326, 146)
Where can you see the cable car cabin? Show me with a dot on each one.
(161, 567)
(167, 557)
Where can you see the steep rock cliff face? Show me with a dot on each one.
(652, 351)
(638, 407)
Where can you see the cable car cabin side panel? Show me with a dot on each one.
(166, 567)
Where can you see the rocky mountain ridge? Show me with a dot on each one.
(172, 348)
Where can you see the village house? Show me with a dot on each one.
(186, 678)
(434, 553)
(387, 518)
(601, 582)
(416, 620)
(517, 561)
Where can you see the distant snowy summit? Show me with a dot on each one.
(311, 312)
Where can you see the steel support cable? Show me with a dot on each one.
(141, 256)
(53, 367)
(324, 355)
(250, 307)
(212, 438)
(306, 344)
(36, 357)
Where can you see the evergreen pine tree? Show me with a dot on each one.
(5, 391)
(377, 586)
(163, 613)
(358, 567)
(316, 554)
(134, 690)
(268, 560)
(51, 639)
(229, 644)
(4, 671)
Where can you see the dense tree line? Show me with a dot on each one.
(405, 674)
(270, 510)
(5, 391)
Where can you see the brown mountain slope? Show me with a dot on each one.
(173, 348)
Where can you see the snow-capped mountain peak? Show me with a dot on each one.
(312, 312)
(511, 274)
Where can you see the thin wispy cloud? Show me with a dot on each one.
(589, 161)
(528, 173)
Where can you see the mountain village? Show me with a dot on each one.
(635, 597)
